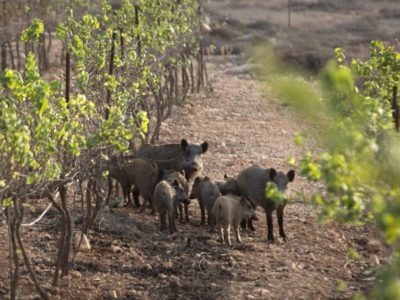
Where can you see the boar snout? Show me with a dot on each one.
(193, 166)
(186, 201)
(255, 217)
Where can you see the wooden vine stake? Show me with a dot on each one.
(395, 109)
(110, 72)
(67, 76)
(139, 44)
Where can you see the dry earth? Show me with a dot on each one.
(131, 259)
(317, 27)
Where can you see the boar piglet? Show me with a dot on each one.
(166, 196)
(206, 193)
(139, 172)
(252, 182)
(228, 211)
(170, 175)
(228, 185)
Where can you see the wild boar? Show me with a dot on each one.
(166, 196)
(228, 185)
(228, 211)
(141, 173)
(183, 156)
(170, 175)
(206, 193)
(252, 183)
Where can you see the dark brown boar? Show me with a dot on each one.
(141, 173)
(252, 183)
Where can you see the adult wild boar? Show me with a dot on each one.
(141, 173)
(183, 156)
(252, 182)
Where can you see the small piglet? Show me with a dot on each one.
(170, 175)
(228, 211)
(206, 193)
(228, 185)
(167, 195)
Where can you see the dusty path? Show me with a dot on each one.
(130, 259)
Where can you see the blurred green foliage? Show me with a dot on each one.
(350, 106)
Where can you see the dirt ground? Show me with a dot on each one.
(317, 27)
(244, 125)
(131, 259)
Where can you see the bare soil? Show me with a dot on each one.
(317, 27)
(244, 125)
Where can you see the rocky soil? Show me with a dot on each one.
(131, 259)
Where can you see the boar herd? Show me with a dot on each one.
(162, 175)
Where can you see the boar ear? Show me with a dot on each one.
(272, 173)
(206, 178)
(290, 175)
(204, 147)
(225, 176)
(197, 180)
(184, 144)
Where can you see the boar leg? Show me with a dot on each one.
(171, 222)
(187, 213)
(126, 190)
(227, 234)
(135, 195)
(279, 214)
(203, 213)
(237, 233)
(212, 221)
(220, 232)
(270, 226)
(162, 221)
(180, 208)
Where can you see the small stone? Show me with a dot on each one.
(374, 246)
(231, 261)
(81, 243)
(262, 292)
(162, 276)
(374, 260)
(113, 295)
(250, 297)
(175, 280)
(147, 268)
(168, 265)
(47, 236)
(75, 274)
(116, 249)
